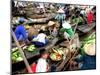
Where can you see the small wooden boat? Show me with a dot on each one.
(86, 28)
(17, 66)
(42, 19)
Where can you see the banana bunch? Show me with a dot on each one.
(55, 57)
(16, 56)
(16, 48)
(31, 48)
(58, 51)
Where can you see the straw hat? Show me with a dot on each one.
(60, 11)
(89, 49)
(51, 23)
(43, 28)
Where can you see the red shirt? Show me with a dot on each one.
(89, 17)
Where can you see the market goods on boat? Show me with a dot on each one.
(31, 48)
(89, 45)
(58, 51)
(16, 48)
(16, 56)
(55, 56)
(90, 49)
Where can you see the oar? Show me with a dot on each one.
(22, 53)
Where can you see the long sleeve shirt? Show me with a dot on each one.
(20, 31)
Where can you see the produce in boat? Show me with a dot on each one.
(16, 56)
(19, 59)
(59, 50)
(31, 48)
(55, 57)
(14, 49)
(88, 45)
(90, 48)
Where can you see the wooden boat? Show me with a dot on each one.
(86, 28)
(31, 57)
(42, 19)
(21, 65)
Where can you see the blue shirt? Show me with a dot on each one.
(89, 62)
(20, 31)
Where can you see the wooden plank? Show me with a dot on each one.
(22, 53)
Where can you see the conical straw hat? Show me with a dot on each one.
(51, 23)
(60, 11)
(89, 49)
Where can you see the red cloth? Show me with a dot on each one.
(33, 67)
(89, 17)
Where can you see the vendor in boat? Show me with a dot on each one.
(67, 29)
(40, 40)
(32, 31)
(90, 16)
(41, 8)
(87, 60)
(21, 34)
(42, 64)
(60, 17)
(53, 28)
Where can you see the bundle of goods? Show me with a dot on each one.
(58, 54)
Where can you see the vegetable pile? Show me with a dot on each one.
(57, 54)
(16, 56)
(31, 48)
(88, 43)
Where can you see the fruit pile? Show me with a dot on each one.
(31, 48)
(16, 56)
(57, 54)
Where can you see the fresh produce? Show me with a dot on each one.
(14, 49)
(31, 48)
(19, 59)
(89, 39)
(89, 48)
(16, 56)
(88, 44)
(59, 50)
(58, 54)
(55, 56)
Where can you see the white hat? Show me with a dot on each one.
(89, 49)
(60, 11)
(50, 23)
